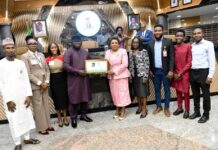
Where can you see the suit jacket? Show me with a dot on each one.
(37, 73)
(147, 37)
(168, 61)
(118, 63)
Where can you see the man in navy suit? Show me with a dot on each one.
(145, 35)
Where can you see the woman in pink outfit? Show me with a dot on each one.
(118, 75)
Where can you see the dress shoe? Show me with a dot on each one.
(167, 112)
(50, 129)
(195, 115)
(186, 115)
(203, 119)
(177, 112)
(157, 110)
(18, 147)
(44, 133)
(74, 123)
(86, 118)
(31, 141)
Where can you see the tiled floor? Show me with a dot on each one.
(188, 132)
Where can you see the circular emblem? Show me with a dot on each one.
(88, 23)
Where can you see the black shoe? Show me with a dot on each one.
(143, 115)
(186, 115)
(177, 112)
(86, 118)
(195, 115)
(138, 111)
(203, 119)
(74, 123)
(18, 147)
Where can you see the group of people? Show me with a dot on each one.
(26, 81)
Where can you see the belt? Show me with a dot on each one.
(200, 69)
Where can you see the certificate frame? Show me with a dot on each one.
(186, 2)
(174, 3)
(96, 66)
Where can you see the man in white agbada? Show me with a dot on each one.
(15, 91)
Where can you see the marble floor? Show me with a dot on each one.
(105, 133)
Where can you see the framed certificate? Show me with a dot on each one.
(96, 66)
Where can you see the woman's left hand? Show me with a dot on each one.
(110, 72)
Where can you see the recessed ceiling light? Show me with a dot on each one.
(216, 7)
(215, 16)
(199, 22)
(179, 16)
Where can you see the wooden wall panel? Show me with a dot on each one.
(165, 6)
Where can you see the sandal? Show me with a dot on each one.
(32, 141)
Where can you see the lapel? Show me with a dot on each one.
(163, 44)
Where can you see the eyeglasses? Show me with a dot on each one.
(32, 43)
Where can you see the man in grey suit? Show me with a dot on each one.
(39, 78)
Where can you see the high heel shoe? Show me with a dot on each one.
(115, 116)
(138, 111)
(66, 123)
(60, 124)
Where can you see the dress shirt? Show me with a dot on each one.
(103, 39)
(203, 56)
(143, 33)
(158, 53)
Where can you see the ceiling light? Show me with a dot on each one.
(215, 16)
(216, 7)
(179, 16)
(199, 22)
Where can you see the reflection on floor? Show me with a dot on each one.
(105, 133)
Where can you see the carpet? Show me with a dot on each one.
(144, 137)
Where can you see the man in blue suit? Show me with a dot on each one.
(145, 34)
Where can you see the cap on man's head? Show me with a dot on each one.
(76, 38)
(7, 41)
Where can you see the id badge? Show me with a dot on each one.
(51, 63)
(164, 53)
(34, 62)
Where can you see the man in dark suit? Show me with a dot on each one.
(145, 35)
(161, 55)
